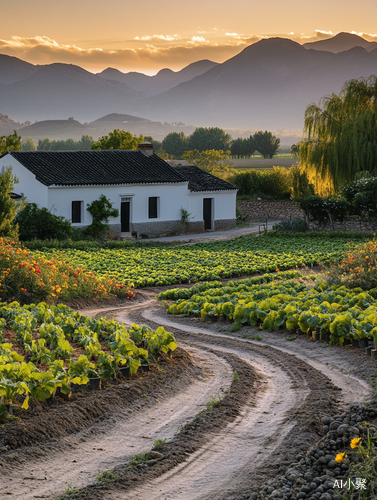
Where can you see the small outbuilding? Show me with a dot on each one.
(148, 192)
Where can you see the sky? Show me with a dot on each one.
(150, 35)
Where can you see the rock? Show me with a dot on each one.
(332, 464)
(325, 429)
(301, 495)
(276, 494)
(313, 486)
(354, 430)
(329, 458)
(342, 429)
(306, 489)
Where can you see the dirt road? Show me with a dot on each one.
(283, 390)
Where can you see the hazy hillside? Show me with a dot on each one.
(341, 42)
(13, 69)
(162, 81)
(267, 85)
(65, 129)
(63, 90)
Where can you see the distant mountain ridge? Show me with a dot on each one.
(267, 85)
(164, 80)
(341, 42)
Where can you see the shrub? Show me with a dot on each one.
(358, 267)
(272, 185)
(323, 210)
(40, 223)
(100, 210)
(297, 225)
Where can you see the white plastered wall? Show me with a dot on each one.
(223, 205)
(33, 190)
(172, 198)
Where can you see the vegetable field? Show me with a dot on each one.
(44, 348)
(341, 313)
(205, 261)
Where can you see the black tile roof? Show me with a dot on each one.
(199, 180)
(114, 166)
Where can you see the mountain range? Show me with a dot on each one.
(267, 85)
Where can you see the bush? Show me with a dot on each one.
(40, 223)
(100, 210)
(324, 210)
(297, 225)
(362, 197)
(358, 267)
(269, 185)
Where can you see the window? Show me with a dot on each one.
(76, 211)
(153, 207)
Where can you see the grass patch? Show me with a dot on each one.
(158, 442)
(108, 475)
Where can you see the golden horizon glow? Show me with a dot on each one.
(150, 35)
(147, 57)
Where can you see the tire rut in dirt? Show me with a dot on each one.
(322, 398)
(191, 437)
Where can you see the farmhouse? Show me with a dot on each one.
(148, 192)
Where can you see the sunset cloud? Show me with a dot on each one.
(165, 38)
(147, 53)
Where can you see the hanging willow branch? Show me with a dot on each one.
(340, 135)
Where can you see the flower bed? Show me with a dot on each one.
(29, 277)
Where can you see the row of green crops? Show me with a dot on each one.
(205, 261)
(335, 310)
(42, 357)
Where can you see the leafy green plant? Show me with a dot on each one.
(100, 210)
(158, 442)
(107, 476)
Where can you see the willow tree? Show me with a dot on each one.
(340, 135)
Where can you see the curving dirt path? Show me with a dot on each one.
(298, 383)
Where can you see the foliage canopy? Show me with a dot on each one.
(118, 139)
(341, 135)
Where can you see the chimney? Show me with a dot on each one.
(146, 148)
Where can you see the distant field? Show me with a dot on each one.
(261, 163)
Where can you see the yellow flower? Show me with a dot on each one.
(355, 442)
(340, 457)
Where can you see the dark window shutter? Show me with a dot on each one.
(152, 212)
(76, 211)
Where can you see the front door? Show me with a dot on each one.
(207, 213)
(125, 216)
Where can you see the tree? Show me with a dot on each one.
(295, 150)
(100, 210)
(44, 144)
(212, 138)
(243, 147)
(29, 144)
(266, 143)
(83, 144)
(10, 142)
(212, 161)
(118, 139)
(175, 144)
(8, 207)
(341, 135)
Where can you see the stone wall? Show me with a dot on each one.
(169, 228)
(224, 224)
(269, 209)
(346, 225)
